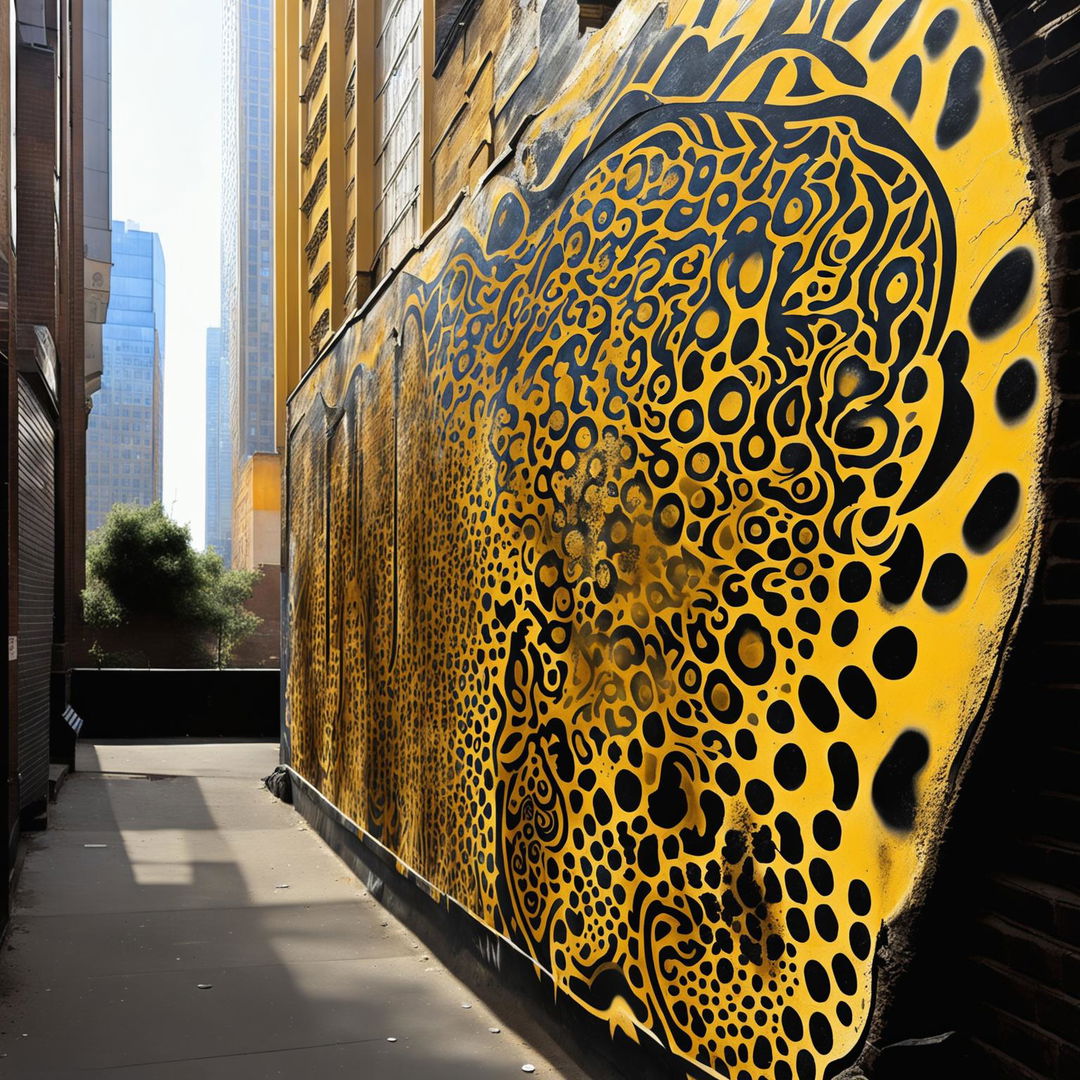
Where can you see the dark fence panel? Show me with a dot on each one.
(146, 703)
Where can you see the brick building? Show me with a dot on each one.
(54, 221)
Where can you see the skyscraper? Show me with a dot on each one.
(218, 448)
(247, 260)
(123, 444)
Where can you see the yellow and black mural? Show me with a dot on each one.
(655, 537)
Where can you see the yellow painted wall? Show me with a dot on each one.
(257, 512)
(654, 537)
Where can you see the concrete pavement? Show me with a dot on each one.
(178, 921)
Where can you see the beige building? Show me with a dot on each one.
(387, 111)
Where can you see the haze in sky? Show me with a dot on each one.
(166, 177)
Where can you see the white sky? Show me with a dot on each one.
(166, 168)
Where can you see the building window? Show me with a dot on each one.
(451, 19)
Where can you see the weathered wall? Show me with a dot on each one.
(654, 540)
(997, 948)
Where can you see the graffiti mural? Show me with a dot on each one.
(654, 539)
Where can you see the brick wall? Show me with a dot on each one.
(997, 953)
(36, 185)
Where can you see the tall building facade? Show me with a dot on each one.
(218, 448)
(124, 440)
(247, 318)
(54, 292)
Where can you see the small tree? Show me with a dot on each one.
(140, 565)
(224, 593)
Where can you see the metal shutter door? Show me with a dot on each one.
(37, 538)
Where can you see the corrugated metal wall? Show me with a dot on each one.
(37, 531)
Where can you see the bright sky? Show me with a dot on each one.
(166, 169)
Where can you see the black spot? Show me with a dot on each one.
(895, 653)
(727, 778)
(904, 568)
(893, 791)
(1016, 391)
(745, 744)
(818, 704)
(821, 876)
(915, 386)
(762, 1052)
(887, 480)
(993, 512)
(859, 937)
(854, 583)
(667, 804)
(844, 767)
(795, 886)
(945, 581)
(627, 790)
(759, 796)
(792, 1024)
(1002, 294)
(875, 519)
(745, 341)
(894, 29)
(962, 98)
(821, 1033)
(789, 767)
(791, 842)
(859, 897)
(857, 691)
(825, 922)
(748, 626)
(908, 86)
(940, 33)
(648, 856)
(844, 628)
(652, 728)
(818, 984)
(507, 224)
(780, 717)
(827, 830)
(847, 982)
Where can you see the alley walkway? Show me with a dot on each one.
(177, 921)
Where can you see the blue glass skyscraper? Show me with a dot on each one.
(218, 448)
(124, 436)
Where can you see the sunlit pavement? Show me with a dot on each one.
(177, 921)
